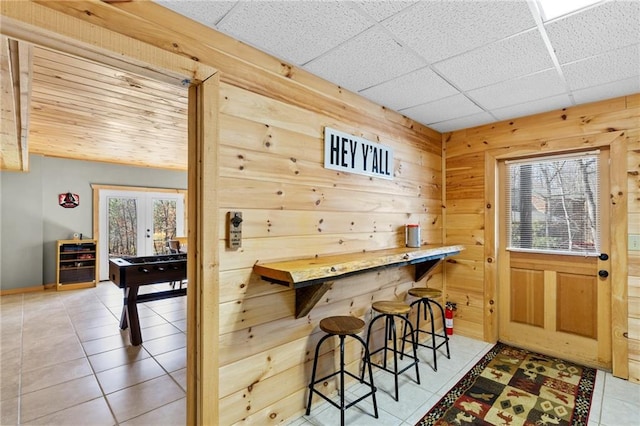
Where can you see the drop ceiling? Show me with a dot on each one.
(446, 64)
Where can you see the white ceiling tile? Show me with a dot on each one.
(524, 89)
(382, 9)
(463, 122)
(418, 87)
(442, 110)
(491, 49)
(534, 107)
(441, 29)
(294, 31)
(506, 59)
(364, 61)
(207, 13)
(608, 91)
(596, 30)
(612, 66)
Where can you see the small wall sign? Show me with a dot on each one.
(234, 230)
(69, 200)
(354, 154)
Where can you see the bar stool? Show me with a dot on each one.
(389, 310)
(426, 298)
(342, 326)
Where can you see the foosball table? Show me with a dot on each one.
(132, 272)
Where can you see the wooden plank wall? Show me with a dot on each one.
(271, 169)
(633, 187)
(465, 203)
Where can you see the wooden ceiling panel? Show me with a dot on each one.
(88, 111)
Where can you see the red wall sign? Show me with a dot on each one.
(68, 200)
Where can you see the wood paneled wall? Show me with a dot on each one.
(614, 122)
(271, 169)
(633, 186)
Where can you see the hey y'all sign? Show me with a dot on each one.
(353, 154)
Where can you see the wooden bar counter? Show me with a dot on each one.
(311, 277)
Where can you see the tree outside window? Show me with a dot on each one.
(552, 204)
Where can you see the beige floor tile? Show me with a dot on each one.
(157, 331)
(174, 360)
(105, 344)
(117, 357)
(168, 307)
(181, 324)
(171, 414)
(180, 376)
(10, 299)
(165, 344)
(50, 400)
(9, 409)
(152, 321)
(175, 316)
(99, 321)
(46, 330)
(86, 334)
(79, 307)
(139, 399)
(51, 350)
(128, 375)
(80, 317)
(9, 383)
(45, 377)
(91, 413)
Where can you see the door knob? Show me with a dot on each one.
(604, 256)
(603, 273)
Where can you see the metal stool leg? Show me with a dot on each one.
(424, 305)
(313, 372)
(342, 380)
(342, 371)
(390, 333)
(444, 331)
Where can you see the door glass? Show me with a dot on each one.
(164, 223)
(553, 204)
(123, 227)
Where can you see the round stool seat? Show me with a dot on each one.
(391, 307)
(424, 292)
(342, 325)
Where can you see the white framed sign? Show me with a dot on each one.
(354, 154)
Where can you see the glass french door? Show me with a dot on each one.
(134, 223)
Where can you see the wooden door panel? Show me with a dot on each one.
(577, 305)
(527, 296)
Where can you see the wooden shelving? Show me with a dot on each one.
(75, 264)
(310, 277)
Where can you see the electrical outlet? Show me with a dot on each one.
(634, 242)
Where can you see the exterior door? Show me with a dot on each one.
(554, 288)
(137, 224)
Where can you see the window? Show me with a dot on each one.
(552, 204)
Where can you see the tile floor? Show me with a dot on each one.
(64, 361)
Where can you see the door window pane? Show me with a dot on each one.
(123, 227)
(553, 203)
(164, 222)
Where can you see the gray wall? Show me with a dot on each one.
(31, 220)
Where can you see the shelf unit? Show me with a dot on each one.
(76, 264)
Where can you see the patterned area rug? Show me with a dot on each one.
(515, 387)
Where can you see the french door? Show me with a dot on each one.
(137, 223)
(556, 300)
